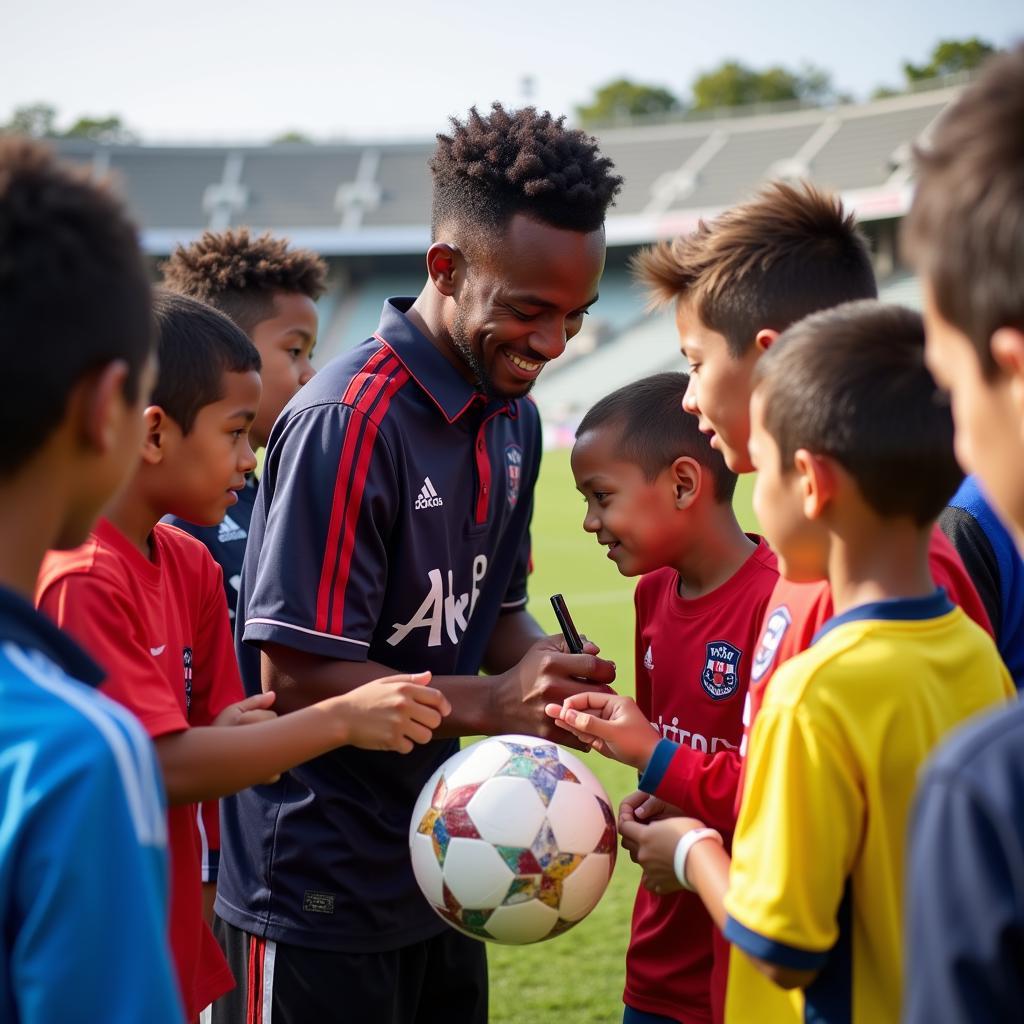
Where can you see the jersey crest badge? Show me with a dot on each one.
(513, 472)
(649, 659)
(186, 662)
(778, 622)
(720, 677)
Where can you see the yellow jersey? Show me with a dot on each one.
(816, 881)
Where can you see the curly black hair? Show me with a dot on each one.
(74, 293)
(491, 168)
(239, 274)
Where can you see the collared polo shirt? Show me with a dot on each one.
(391, 524)
(83, 847)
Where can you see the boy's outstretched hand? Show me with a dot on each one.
(249, 711)
(609, 723)
(393, 713)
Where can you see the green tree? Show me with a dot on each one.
(291, 136)
(623, 99)
(950, 57)
(733, 84)
(101, 129)
(35, 120)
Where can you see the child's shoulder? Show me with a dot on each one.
(92, 558)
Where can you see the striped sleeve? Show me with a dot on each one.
(334, 490)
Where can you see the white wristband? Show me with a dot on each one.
(683, 847)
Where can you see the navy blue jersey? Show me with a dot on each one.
(226, 540)
(83, 841)
(392, 524)
(965, 874)
(995, 567)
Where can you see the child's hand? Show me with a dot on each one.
(393, 713)
(248, 711)
(643, 808)
(655, 849)
(618, 729)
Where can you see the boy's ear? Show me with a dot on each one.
(101, 406)
(154, 445)
(686, 480)
(1007, 347)
(442, 263)
(765, 338)
(817, 478)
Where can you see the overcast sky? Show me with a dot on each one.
(210, 70)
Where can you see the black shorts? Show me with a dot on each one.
(443, 979)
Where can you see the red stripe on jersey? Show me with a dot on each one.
(355, 499)
(369, 369)
(257, 1010)
(386, 364)
(250, 1003)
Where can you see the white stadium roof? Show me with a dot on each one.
(373, 198)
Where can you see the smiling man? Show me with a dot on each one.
(392, 531)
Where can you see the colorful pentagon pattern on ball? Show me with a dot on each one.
(513, 840)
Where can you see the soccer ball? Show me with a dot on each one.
(513, 840)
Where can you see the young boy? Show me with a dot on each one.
(660, 499)
(855, 461)
(270, 291)
(83, 848)
(148, 599)
(736, 283)
(965, 232)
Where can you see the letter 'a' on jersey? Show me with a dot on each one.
(817, 873)
(392, 524)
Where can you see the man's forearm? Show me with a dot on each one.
(514, 634)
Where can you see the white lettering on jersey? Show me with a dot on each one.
(674, 732)
(452, 611)
(428, 497)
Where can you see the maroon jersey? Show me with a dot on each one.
(693, 662)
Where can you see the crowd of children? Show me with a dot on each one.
(821, 835)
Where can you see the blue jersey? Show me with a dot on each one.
(995, 566)
(83, 841)
(392, 524)
(226, 540)
(965, 876)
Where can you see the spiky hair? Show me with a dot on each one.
(239, 274)
(492, 167)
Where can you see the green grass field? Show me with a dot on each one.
(578, 977)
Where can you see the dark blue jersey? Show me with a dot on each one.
(965, 878)
(83, 841)
(226, 540)
(392, 523)
(995, 567)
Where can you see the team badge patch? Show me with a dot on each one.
(186, 661)
(513, 472)
(720, 677)
(778, 622)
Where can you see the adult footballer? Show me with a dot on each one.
(391, 533)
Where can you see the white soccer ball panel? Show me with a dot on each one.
(583, 773)
(520, 923)
(575, 817)
(476, 875)
(507, 811)
(481, 761)
(426, 868)
(582, 890)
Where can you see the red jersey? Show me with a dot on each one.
(693, 662)
(161, 630)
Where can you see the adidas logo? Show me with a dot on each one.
(229, 530)
(428, 496)
(649, 659)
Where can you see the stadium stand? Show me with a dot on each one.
(365, 206)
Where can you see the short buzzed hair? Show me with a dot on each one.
(654, 431)
(240, 274)
(965, 229)
(851, 383)
(764, 264)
